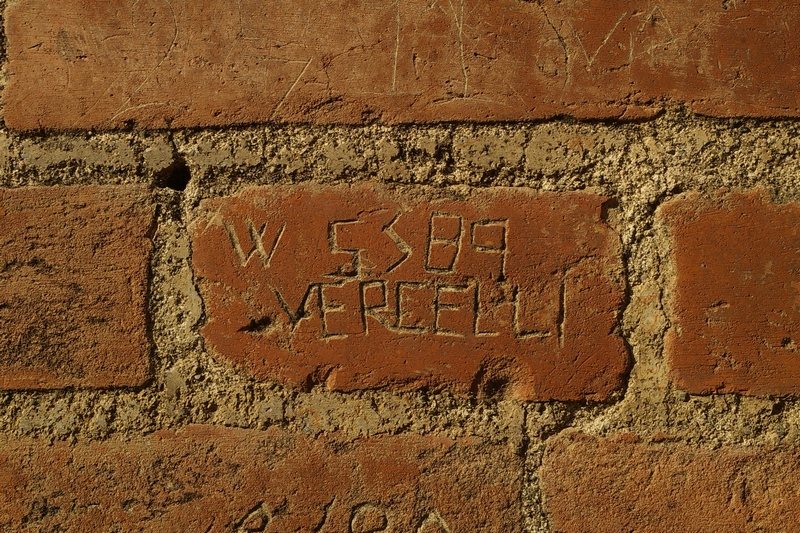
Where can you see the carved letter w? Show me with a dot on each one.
(255, 238)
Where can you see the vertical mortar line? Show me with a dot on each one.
(664, 280)
(532, 505)
(3, 43)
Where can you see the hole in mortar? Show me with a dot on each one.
(177, 176)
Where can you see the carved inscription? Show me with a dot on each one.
(363, 295)
(255, 520)
(170, 64)
(446, 303)
(368, 518)
(227, 480)
(361, 287)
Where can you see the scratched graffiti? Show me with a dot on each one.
(168, 63)
(321, 280)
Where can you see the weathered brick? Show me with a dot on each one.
(364, 287)
(734, 305)
(599, 485)
(209, 480)
(73, 286)
(88, 64)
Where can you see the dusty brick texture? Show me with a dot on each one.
(206, 479)
(735, 310)
(672, 404)
(601, 485)
(82, 64)
(364, 287)
(637, 166)
(74, 267)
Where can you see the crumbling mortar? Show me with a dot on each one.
(642, 165)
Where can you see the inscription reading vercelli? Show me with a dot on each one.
(361, 287)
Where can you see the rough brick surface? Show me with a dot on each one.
(595, 485)
(85, 63)
(73, 286)
(208, 480)
(735, 309)
(360, 287)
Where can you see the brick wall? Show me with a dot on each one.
(399, 266)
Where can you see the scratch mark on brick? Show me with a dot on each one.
(142, 106)
(652, 19)
(563, 43)
(291, 88)
(459, 20)
(241, 19)
(396, 46)
(123, 108)
(216, 218)
(590, 60)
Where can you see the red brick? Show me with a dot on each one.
(89, 64)
(735, 311)
(208, 480)
(598, 485)
(361, 287)
(73, 286)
